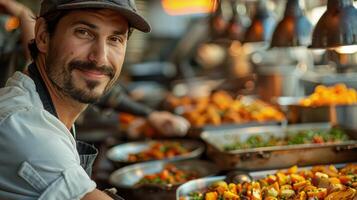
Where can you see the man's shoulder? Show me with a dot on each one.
(23, 120)
(31, 120)
(19, 94)
(31, 133)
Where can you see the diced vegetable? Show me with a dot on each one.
(302, 137)
(291, 185)
(211, 196)
(170, 175)
(230, 195)
(287, 193)
(159, 151)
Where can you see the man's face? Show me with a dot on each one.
(86, 53)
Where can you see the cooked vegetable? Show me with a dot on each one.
(220, 108)
(302, 137)
(338, 94)
(170, 175)
(290, 184)
(159, 151)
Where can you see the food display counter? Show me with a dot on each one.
(287, 132)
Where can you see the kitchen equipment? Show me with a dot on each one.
(313, 78)
(195, 132)
(119, 154)
(201, 184)
(281, 80)
(124, 179)
(346, 116)
(275, 156)
(342, 115)
(183, 192)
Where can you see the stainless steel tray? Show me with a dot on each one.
(296, 113)
(195, 132)
(346, 116)
(119, 153)
(183, 192)
(342, 115)
(124, 179)
(276, 156)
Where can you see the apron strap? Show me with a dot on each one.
(42, 90)
(87, 153)
(44, 94)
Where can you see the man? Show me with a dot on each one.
(78, 52)
(165, 123)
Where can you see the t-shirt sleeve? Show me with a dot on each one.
(44, 161)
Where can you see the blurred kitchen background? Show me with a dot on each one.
(266, 49)
(201, 40)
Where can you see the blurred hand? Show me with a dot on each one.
(12, 7)
(168, 124)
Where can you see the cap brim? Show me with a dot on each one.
(134, 19)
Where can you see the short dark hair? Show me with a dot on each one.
(52, 20)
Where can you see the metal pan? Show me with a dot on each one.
(183, 192)
(201, 184)
(275, 156)
(125, 178)
(119, 154)
(296, 113)
(195, 132)
(346, 116)
(337, 114)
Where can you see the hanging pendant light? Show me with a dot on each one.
(217, 22)
(337, 28)
(235, 28)
(262, 25)
(294, 29)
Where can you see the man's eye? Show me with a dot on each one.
(116, 39)
(82, 33)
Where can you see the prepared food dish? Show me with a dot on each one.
(321, 182)
(158, 151)
(302, 137)
(338, 94)
(169, 176)
(221, 107)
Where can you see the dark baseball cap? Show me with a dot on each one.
(126, 8)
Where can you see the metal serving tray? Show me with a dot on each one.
(276, 156)
(183, 192)
(296, 113)
(119, 153)
(342, 115)
(125, 179)
(195, 132)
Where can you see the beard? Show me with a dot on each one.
(62, 78)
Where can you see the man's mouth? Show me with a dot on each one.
(90, 70)
(93, 73)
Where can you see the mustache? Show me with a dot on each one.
(88, 65)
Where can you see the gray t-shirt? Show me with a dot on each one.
(38, 156)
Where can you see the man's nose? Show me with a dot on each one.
(98, 53)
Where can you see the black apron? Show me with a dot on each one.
(87, 153)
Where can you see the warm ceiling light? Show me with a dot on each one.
(350, 49)
(185, 7)
(262, 25)
(294, 29)
(337, 27)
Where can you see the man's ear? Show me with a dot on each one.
(42, 37)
